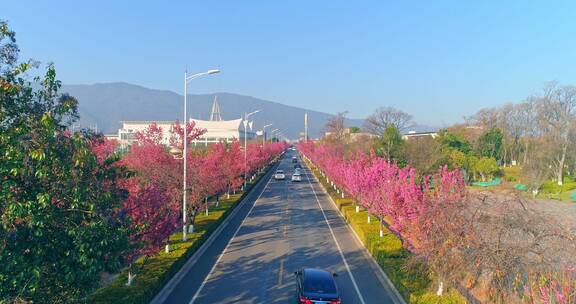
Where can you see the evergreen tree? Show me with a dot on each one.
(60, 218)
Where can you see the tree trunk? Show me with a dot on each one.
(130, 278)
(525, 154)
(440, 290)
(192, 220)
(560, 173)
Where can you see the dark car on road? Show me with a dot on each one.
(316, 286)
(294, 159)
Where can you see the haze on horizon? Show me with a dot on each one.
(438, 61)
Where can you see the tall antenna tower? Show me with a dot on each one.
(215, 116)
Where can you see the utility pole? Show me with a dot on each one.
(305, 126)
(246, 124)
(264, 134)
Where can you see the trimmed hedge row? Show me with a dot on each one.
(155, 271)
(411, 280)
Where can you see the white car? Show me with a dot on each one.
(296, 177)
(279, 175)
(298, 171)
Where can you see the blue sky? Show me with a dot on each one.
(438, 60)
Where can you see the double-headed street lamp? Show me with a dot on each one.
(272, 133)
(187, 79)
(264, 134)
(246, 145)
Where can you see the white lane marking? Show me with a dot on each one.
(337, 245)
(281, 272)
(228, 244)
(384, 280)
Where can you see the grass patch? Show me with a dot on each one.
(552, 186)
(511, 174)
(155, 271)
(551, 190)
(412, 281)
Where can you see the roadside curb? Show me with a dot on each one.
(397, 297)
(175, 280)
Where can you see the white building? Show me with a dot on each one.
(217, 130)
(414, 134)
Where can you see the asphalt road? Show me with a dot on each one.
(283, 226)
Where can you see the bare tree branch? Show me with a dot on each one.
(382, 117)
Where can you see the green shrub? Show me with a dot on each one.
(511, 178)
(450, 297)
(553, 187)
(388, 246)
(341, 202)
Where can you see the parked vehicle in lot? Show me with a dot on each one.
(279, 175)
(316, 286)
(294, 159)
(296, 177)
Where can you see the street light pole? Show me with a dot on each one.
(264, 134)
(246, 145)
(187, 79)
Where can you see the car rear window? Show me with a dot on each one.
(319, 284)
(280, 171)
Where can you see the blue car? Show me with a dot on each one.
(316, 286)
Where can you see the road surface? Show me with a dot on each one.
(283, 226)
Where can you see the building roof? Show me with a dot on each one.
(412, 133)
(203, 124)
(147, 122)
(220, 125)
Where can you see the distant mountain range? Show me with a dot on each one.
(105, 105)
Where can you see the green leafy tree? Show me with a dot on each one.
(391, 145)
(490, 144)
(354, 129)
(454, 142)
(486, 167)
(60, 217)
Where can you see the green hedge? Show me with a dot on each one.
(412, 281)
(552, 186)
(155, 271)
